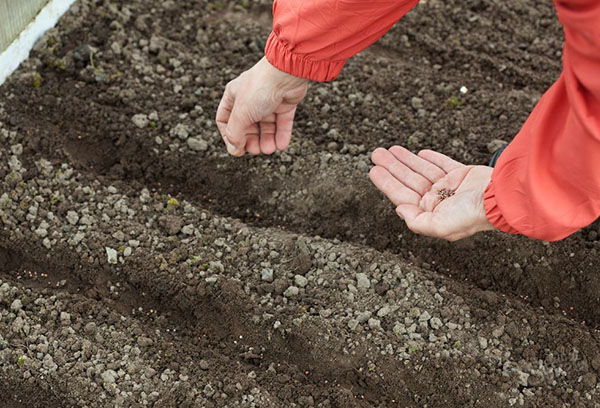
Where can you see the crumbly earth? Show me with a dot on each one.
(142, 266)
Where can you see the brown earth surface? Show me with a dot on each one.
(140, 265)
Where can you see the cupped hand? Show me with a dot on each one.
(256, 112)
(434, 194)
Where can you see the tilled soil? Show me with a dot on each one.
(140, 265)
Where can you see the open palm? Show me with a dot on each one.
(434, 194)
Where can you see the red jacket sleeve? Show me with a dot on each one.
(546, 184)
(313, 38)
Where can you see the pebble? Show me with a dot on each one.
(266, 275)
(301, 281)
(65, 318)
(291, 291)
(48, 363)
(140, 120)
(362, 281)
(204, 365)
(72, 217)
(181, 131)
(197, 144)
(353, 324)
(384, 311)
(363, 316)
(111, 255)
(109, 376)
(374, 324)
(483, 343)
(188, 229)
(16, 305)
(435, 323)
(90, 328)
(425, 316)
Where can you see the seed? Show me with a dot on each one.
(445, 193)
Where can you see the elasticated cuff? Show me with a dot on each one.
(492, 211)
(281, 57)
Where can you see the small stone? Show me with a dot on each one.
(266, 275)
(363, 316)
(498, 332)
(417, 103)
(362, 281)
(188, 229)
(463, 90)
(374, 324)
(197, 144)
(109, 377)
(111, 255)
(181, 131)
(596, 362)
(90, 328)
(483, 343)
(353, 324)
(140, 120)
(16, 305)
(72, 217)
(280, 285)
(127, 251)
(208, 390)
(425, 316)
(144, 341)
(301, 281)
(435, 323)
(495, 145)
(171, 224)
(204, 365)
(589, 380)
(65, 318)
(48, 363)
(17, 149)
(384, 311)
(150, 372)
(291, 291)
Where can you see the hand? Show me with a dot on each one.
(256, 113)
(435, 195)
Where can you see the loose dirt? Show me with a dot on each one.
(140, 265)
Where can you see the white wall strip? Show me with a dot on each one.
(19, 50)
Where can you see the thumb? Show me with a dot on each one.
(236, 130)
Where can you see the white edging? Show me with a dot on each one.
(18, 50)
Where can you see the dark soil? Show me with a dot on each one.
(169, 62)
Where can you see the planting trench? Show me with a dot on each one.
(514, 314)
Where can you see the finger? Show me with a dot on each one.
(237, 126)
(442, 161)
(224, 111)
(252, 145)
(419, 221)
(285, 123)
(389, 185)
(404, 174)
(234, 151)
(267, 135)
(428, 170)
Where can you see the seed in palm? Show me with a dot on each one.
(445, 193)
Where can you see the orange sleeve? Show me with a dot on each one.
(546, 184)
(313, 38)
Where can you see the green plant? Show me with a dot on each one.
(37, 79)
(172, 203)
(454, 102)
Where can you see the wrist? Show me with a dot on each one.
(281, 80)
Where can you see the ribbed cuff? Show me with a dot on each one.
(492, 211)
(281, 57)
